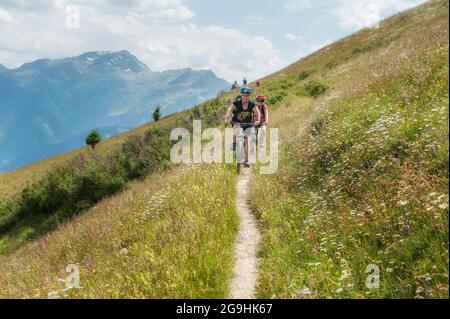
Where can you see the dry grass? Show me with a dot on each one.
(168, 236)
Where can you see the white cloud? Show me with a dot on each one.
(157, 32)
(296, 5)
(365, 13)
(26, 5)
(292, 37)
(117, 112)
(5, 16)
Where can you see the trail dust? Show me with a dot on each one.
(245, 269)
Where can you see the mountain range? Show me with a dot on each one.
(48, 106)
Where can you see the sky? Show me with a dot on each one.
(235, 39)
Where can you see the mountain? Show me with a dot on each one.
(47, 105)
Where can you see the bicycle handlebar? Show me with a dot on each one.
(243, 125)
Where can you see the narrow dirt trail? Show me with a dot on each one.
(245, 269)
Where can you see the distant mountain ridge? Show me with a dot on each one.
(47, 105)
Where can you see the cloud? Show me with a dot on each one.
(5, 16)
(117, 112)
(159, 33)
(292, 37)
(296, 5)
(365, 13)
(26, 5)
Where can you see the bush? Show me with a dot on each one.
(50, 193)
(304, 74)
(139, 156)
(315, 88)
(6, 214)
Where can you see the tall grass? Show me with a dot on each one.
(366, 181)
(78, 185)
(169, 236)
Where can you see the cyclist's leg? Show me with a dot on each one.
(249, 142)
(246, 148)
(236, 128)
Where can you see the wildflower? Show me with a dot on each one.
(314, 264)
(402, 202)
(304, 292)
(443, 206)
(339, 290)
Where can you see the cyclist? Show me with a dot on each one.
(264, 119)
(245, 115)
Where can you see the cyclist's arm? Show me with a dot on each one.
(257, 115)
(230, 110)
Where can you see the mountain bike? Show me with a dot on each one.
(240, 144)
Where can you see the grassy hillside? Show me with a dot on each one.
(158, 239)
(12, 183)
(363, 179)
(364, 170)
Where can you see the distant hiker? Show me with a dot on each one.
(235, 86)
(258, 84)
(244, 82)
(263, 120)
(245, 115)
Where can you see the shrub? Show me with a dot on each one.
(96, 181)
(50, 193)
(304, 74)
(6, 214)
(315, 88)
(139, 156)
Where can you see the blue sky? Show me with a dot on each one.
(233, 38)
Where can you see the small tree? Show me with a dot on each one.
(157, 113)
(93, 138)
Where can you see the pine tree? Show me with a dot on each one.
(93, 138)
(157, 113)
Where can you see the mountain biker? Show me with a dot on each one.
(264, 119)
(245, 115)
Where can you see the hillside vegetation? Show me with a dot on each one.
(364, 177)
(157, 239)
